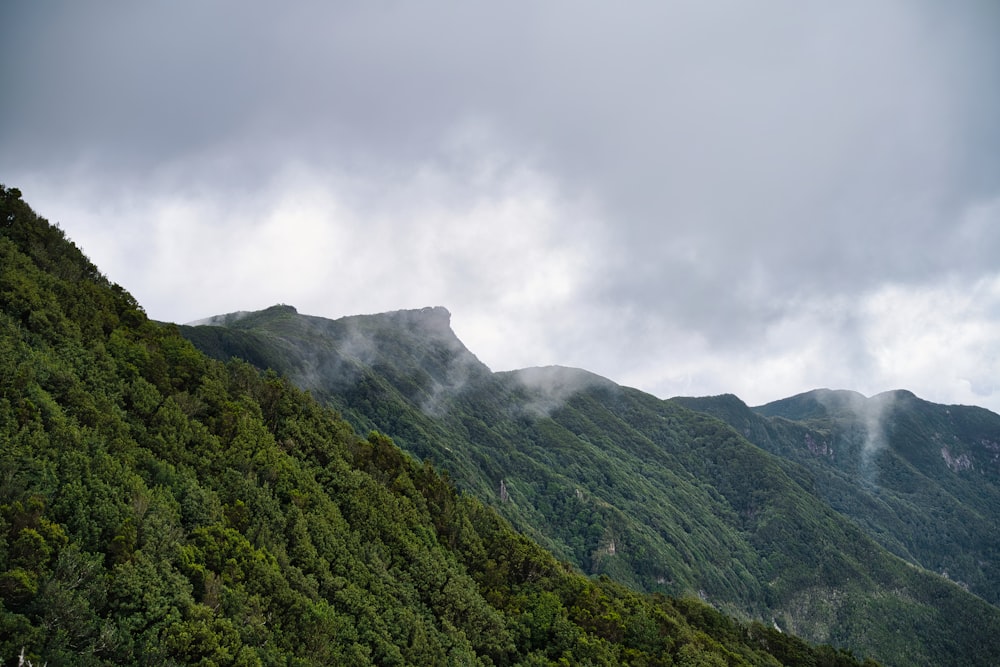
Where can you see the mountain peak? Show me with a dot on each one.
(813, 404)
(822, 403)
(231, 319)
(326, 355)
(557, 379)
(432, 319)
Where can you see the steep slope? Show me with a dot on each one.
(158, 507)
(621, 483)
(921, 479)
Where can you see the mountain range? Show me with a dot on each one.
(921, 479)
(160, 507)
(866, 523)
(275, 488)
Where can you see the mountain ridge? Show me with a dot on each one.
(160, 507)
(581, 470)
(929, 473)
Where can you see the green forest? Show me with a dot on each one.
(662, 497)
(920, 479)
(159, 507)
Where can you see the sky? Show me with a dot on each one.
(690, 198)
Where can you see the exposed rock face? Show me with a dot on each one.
(818, 448)
(956, 463)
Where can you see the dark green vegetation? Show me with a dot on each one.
(160, 507)
(921, 479)
(620, 483)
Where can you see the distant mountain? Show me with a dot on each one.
(923, 480)
(158, 507)
(620, 483)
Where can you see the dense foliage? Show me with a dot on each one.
(921, 479)
(622, 484)
(158, 507)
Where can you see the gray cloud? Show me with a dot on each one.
(689, 197)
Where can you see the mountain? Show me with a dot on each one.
(158, 507)
(921, 479)
(620, 483)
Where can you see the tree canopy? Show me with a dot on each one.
(160, 507)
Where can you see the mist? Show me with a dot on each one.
(689, 199)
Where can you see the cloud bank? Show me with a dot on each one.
(690, 198)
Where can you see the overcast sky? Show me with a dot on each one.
(686, 197)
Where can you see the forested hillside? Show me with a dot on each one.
(621, 483)
(159, 507)
(921, 479)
